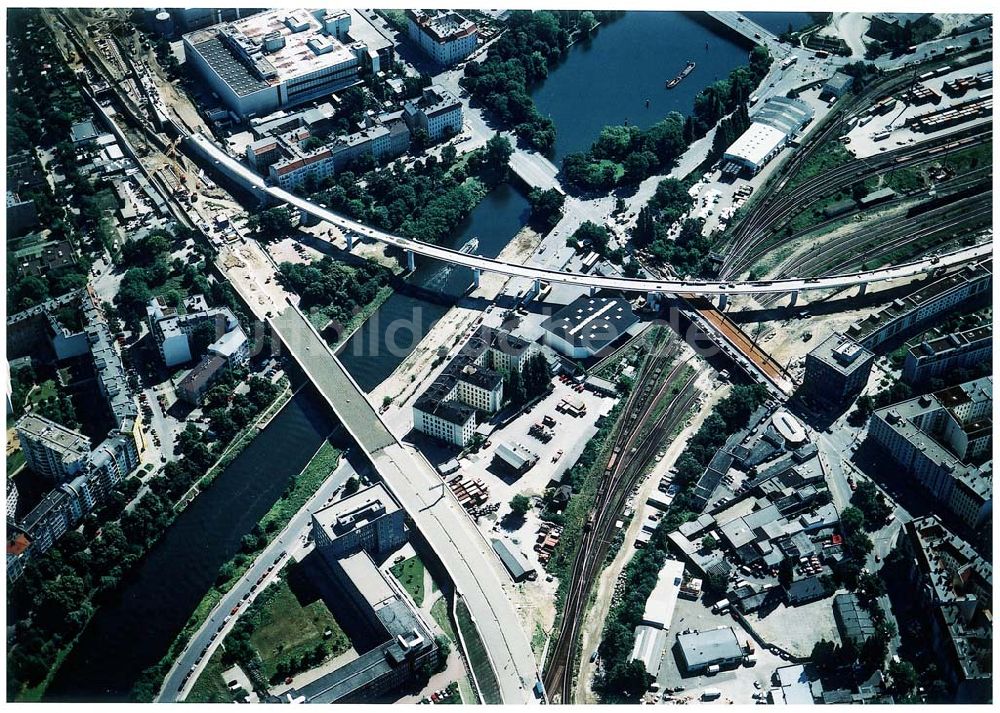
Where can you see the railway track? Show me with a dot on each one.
(632, 449)
(756, 233)
(890, 236)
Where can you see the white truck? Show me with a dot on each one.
(710, 694)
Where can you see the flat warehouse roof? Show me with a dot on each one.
(756, 144)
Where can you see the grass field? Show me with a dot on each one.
(45, 391)
(210, 686)
(286, 630)
(410, 574)
(14, 461)
(439, 610)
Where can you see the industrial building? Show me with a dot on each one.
(587, 325)
(837, 86)
(931, 358)
(348, 535)
(279, 58)
(651, 633)
(471, 382)
(837, 369)
(772, 127)
(936, 296)
(514, 560)
(443, 35)
(939, 439)
(516, 457)
(953, 586)
(713, 647)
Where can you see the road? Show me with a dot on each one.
(207, 638)
(468, 558)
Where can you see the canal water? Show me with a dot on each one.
(392, 332)
(606, 80)
(133, 632)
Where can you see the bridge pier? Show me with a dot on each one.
(537, 285)
(793, 298)
(723, 301)
(476, 273)
(349, 236)
(411, 261)
(592, 290)
(862, 289)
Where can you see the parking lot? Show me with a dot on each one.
(569, 435)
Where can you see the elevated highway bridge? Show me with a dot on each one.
(251, 181)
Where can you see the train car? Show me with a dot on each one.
(589, 525)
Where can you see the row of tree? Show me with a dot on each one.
(530, 381)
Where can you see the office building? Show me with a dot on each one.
(21, 214)
(837, 369)
(954, 590)
(443, 35)
(931, 358)
(197, 381)
(348, 534)
(712, 647)
(943, 440)
(12, 499)
(471, 382)
(438, 112)
(50, 449)
(934, 297)
(587, 325)
(278, 58)
(369, 520)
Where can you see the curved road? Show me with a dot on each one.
(255, 183)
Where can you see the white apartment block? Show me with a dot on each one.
(444, 36)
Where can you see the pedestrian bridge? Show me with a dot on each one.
(254, 183)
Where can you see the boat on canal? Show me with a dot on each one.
(671, 83)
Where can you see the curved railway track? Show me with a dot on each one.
(632, 449)
(755, 233)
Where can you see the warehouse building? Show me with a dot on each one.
(280, 58)
(773, 125)
(714, 647)
(587, 325)
(514, 560)
(837, 86)
(853, 621)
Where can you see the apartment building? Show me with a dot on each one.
(931, 358)
(443, 35)
(942, 440)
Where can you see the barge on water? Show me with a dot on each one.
(671, 83)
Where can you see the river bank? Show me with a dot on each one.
(131, 632)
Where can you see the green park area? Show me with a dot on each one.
(290, 636)
(410, 574)
(211, 686)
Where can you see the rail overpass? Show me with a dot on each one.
(248, 179)
(471, 563)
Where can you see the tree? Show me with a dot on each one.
(872, 504)
(271, 224)
(709, 543)
(497, 156)
(903, 678)
(352, 486)
(546, 207)
(519, 505)
(593, 234)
